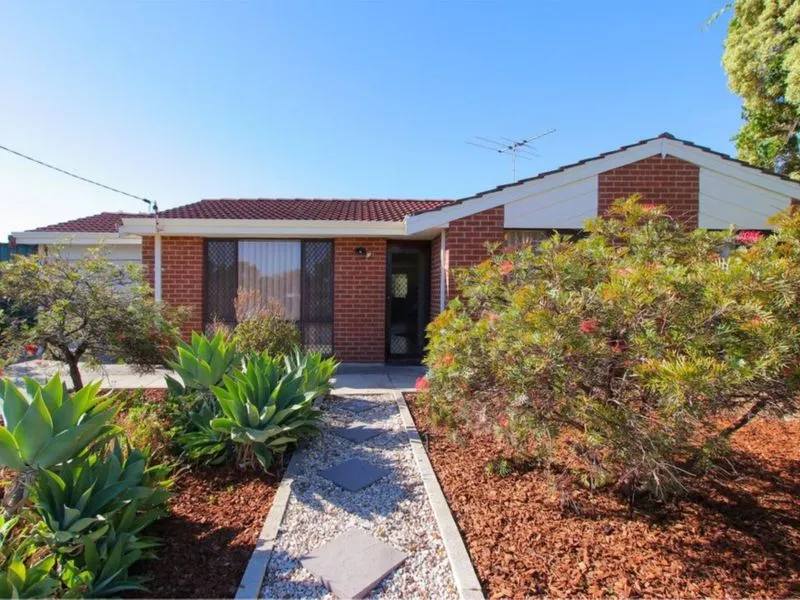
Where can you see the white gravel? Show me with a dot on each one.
(395, 509)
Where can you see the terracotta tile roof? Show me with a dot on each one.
(311, 209)
(665, 135)
(104, 222)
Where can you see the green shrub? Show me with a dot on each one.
(624, 349)
(262, 326)
(144, 424)
(48, 427)
(201, 364)
(265, 409)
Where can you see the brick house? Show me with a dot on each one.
(363, 277)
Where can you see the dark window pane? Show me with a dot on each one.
(317, 296)
(221, 281)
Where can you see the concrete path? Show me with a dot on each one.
(350, 378)
(112, 376)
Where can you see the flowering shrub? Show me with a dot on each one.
(632, 353)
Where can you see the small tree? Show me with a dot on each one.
(631, 354)
(87, 309)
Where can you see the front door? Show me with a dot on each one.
(407, 300)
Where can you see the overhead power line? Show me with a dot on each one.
(150, 203)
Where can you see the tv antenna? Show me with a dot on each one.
(520, 148)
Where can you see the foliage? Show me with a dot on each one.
(143, 423)
(621, 352)
(51, 425)
(89, 308)
(262, 326)
(201, 364)
(317, 371)
(25, 571)
(265, 409)
(104, 566)
(77, 501)
(198, 441)
(19, 581)
(48, 427)
(762, 60)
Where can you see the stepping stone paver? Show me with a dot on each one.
(357, 433)
(354, 474)
(355, 405)
(353, 563)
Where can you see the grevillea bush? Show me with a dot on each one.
(630, 355)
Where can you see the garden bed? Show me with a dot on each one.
(207, 538)
(740, 537)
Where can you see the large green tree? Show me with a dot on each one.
(762, 60)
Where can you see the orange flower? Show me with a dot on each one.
(588, 325)
(447, 360)
(506, 267)
(422, 384)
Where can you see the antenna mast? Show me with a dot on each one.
(520, 148)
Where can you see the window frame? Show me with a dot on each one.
(303, 282)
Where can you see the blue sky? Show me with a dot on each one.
(179, 101)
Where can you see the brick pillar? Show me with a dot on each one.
(359, 300)
(465, 242)
(182, 281)
(666, 181)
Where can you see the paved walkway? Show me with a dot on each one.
(360, 512)
(350, 378)
(358, 520)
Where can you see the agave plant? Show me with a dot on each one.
(19, 581)
(317, 371)
(201, 364)
(78, 501)
(198, 441)
(264, 409)
(48, 427)
(103, 568)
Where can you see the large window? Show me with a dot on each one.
(297, 274)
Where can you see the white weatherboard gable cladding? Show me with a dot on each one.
(563, 207)
(726, 201)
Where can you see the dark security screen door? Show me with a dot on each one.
(408, 297)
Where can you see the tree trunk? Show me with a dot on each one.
(75, 373)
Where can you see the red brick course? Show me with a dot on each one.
(182, 279)
(359, 300)
(667, 181)
(465, 242)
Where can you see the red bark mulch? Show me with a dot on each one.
(209, 535)
(740, 537)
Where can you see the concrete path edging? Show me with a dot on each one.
(253, 577)
(469, 587)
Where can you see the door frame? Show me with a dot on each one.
(425, 248)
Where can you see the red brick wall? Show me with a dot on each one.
(181, 275)
(148, 258)
(667, 181)
(436, 270)
(359, 300)
(465, 242)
